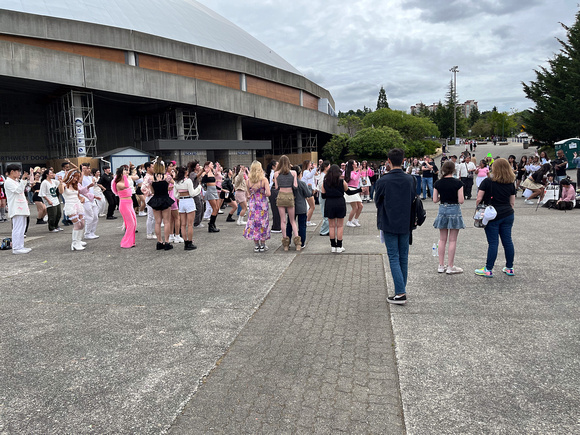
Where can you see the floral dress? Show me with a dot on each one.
(258, 224)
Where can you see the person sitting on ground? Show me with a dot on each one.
(566, 201)
(536, 183)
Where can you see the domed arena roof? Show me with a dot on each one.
(181, 20)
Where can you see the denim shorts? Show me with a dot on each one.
(449, 217)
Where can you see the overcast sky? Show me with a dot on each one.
(352, 48)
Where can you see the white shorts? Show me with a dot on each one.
(186, 205)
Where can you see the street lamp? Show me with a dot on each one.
(454, 70)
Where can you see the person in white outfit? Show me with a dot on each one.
(73, 206)
(17, 206)
(90, 205)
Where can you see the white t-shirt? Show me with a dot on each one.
(87, 180)
(308, 177)
(464, 169)
(49, 189)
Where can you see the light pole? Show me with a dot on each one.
(454, 70)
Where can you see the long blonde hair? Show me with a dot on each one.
(502, 171)
(256, 172)
(159, 166)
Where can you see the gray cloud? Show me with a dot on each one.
(446, 11)
(408, 46)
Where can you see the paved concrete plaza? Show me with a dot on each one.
(223, 340)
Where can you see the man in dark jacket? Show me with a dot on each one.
(394, 194)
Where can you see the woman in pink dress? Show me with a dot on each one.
(122, 189)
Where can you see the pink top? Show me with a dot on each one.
(367, 172)
(354, 179)
(568, 193)
(482, 172)
(125, 193)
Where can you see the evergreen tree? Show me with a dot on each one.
(382, 100)
(556, 92)
(474, 116)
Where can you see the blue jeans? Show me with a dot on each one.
(398, 252)
(429, 182)
(418, 180)
(324, 228)
(301, 222)
(500, 228)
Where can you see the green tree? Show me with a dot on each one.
(360, 113)
(375, 142)
(382, 100)
(474, 116)
(481, 129)
(411, 127)
(556, 92)
(352, 123)
(335, 149)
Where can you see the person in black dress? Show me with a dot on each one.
(333, 189)
(160, 202)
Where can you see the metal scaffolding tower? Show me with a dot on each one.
(71, 126)
(170, 124)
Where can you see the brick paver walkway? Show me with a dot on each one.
(317, 357)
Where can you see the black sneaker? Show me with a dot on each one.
(160, 246)
(397, 299)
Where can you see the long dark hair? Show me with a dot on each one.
(349, 168)
(119, 173)
(180, 174)
(332, 178)
(269, 168)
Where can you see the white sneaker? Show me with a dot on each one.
(333, 249)
(339, 250)
(59, 229)
(142, 213)
(275, 231)
(178, 239)
(151, 236)
(91, 236)
(54, 231)
(356, 222)
(201, 225)
(527, 201)
(542, 202)
(220, 211)
(453, 270)
(311, 224)
(441, 269)
(45, 219)
(171, 238)
(21, 251)
(350, 224)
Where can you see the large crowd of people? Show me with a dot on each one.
(282, 199)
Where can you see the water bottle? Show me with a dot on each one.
(434, 250)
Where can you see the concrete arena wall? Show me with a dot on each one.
(36, 26)
(34, 63)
